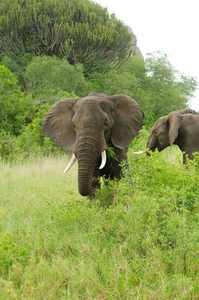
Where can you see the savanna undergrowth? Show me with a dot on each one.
(139, 238)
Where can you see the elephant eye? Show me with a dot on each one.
(106, 123)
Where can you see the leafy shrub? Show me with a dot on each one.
(47, 76)
(9, 146)
(14, 105)
(31, 142)
(12, 250)
(159, 200)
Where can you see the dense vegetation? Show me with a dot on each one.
(78, 30)
(139, 238)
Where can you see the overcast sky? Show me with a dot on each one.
(170, 26)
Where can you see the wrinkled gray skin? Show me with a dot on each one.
(87, 126)
(179, 128)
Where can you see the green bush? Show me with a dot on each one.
(158, 204)
(49, 76)
(31, 141)
(15, 107)
(12, 250)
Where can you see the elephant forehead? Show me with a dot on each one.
(93, 106)
(161, 122)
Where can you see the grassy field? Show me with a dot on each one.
(139, 239)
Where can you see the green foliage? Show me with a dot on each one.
(46, 76)
(14, 106)
(139, 142)
(120, 81)
(170, 89)
(154, 84)
(13, 249)
(81, 31)
(21, 134)
(9, 146)
(138, 238)
(31, 141)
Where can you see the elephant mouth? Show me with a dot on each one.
(73, 159)
(160, 148)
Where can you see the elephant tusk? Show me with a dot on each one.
(103, 159)
(141, 152)
(73, 159)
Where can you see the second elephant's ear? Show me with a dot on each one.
(128, 120)
(174, 120)
(57, 123)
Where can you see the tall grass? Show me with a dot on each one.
(139, 239)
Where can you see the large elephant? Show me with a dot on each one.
(179, 128)
(89, 125)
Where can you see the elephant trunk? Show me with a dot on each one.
(86, 165)
(152, 142)
(87, 155)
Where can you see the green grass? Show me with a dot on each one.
(139, 239)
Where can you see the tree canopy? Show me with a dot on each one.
(78, 30)
(154, 84)
(46, 76)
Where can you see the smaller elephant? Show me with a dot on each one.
(89, 126)
(179, 128)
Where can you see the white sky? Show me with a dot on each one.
(170, 26)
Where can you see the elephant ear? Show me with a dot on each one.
(174, 120)
(57, 123)
(128, 120)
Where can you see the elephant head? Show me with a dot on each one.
(178, 128)
(164, 132)
(88, 125)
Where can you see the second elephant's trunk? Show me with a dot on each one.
(152, 142)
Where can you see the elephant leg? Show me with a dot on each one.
(116, 164)
(113, 167)
(184, 159)
(112, 170)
